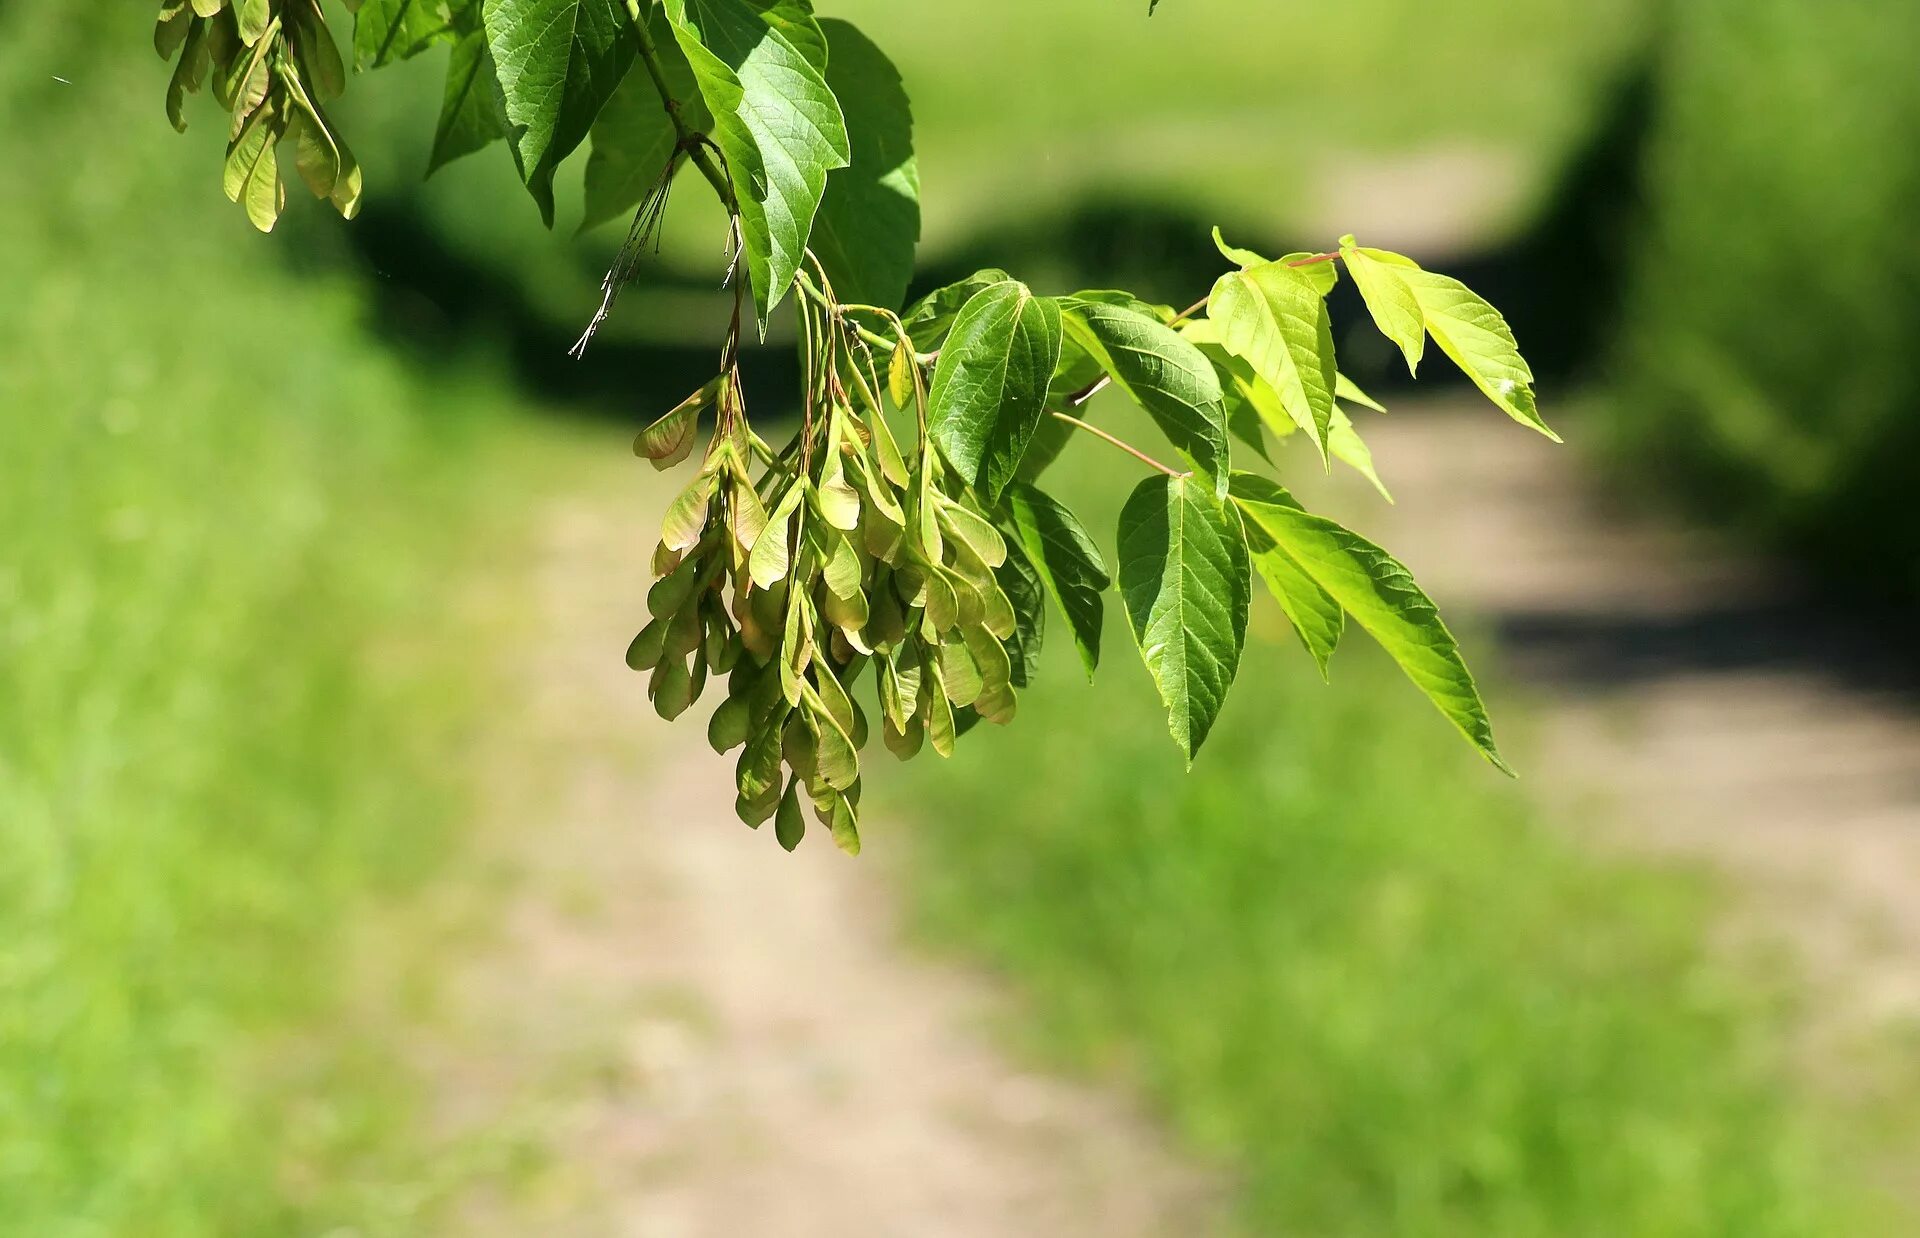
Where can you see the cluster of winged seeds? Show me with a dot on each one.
(272, 64)
(844, 555)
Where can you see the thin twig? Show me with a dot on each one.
(1123, 445)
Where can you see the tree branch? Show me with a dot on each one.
(698, 146)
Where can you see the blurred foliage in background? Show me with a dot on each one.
(232, 670)
(1767, 374)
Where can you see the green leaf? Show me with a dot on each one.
(633, 137)
(1316, 269)
(869, 221)
(1347, 447)
(1184, 577)
(929, 319)
(1389, 297)
(1274, 318)
(761, 69)
(1381, 595)
(1163, 373)
(990, 386)
(557, 62)
(1233, 254)
(1346, 389)
(1470, 331)
(1478, 340)
(1316, 617)
(471, 117)
(388, 30)
(1020, 580)
(1067, 562)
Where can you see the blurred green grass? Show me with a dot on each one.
(232, 670)
(1355, 968)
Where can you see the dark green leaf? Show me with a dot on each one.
(471, 115)
(869, 221)
(1068, 563)
(388, 30)
(1020, 581)
(1163, 373)
(990, 386)
(557, 62)
(1185, 581)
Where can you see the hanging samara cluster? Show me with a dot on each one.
(843, 556)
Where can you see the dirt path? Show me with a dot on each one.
(1685, 694)
(689, 1032)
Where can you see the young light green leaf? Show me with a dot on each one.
(1346, 445)
(557, 62)
(1316, 617)
(869, 221)
(772, 556)
(471, 116)
(1316, 268)
(1273, 317)
(1381, 595)
(761, 69)
(1162, 372)
(1067, 562)
(1185, 581)
(1252, 407)
(1475, 336)
(1236, 255)
(633, 137)
(1345, 388)
(990, 385)
(1470, 331)
(1389, 297)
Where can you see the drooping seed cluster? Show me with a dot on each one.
(274, 66)
(843, 555)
